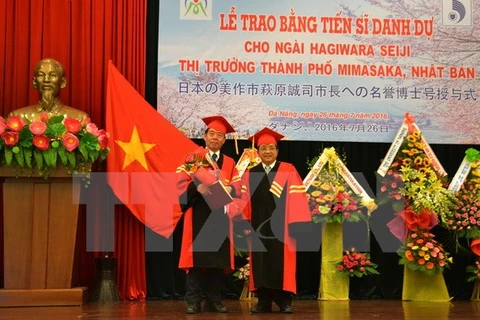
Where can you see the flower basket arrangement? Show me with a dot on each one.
(464, 218)
(41, 146)
(423, 253)
(243, 273)
(334, 196)
(331, 198)
(356, 264)
(474, 272)
(415, 185)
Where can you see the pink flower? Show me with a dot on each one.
(10, 138)
(70, 141)
(41, 142)
(3, 126)
(92, 128)
(37, 127)
(73, 125)
(103, 141)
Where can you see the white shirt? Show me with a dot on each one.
(211, 153)
(270, 165)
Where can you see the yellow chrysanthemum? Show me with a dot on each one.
(424, 248)
(407, 161)
(415, 248)
(427, 257)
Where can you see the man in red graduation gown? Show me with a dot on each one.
(277, 208)
(207, 249)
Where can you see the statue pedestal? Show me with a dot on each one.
(40, 227)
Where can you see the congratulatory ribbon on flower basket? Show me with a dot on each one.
(408, 127)
(472, 156)
(330, 155)
(248, 159)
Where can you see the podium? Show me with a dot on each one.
(40, 228)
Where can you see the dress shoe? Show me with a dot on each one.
(286, 309)
(193, 308)
(261, 308)
(214, 307)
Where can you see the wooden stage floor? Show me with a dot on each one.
(304, 310)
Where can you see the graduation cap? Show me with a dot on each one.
(265, 136)
(221, 124)
(218, 123)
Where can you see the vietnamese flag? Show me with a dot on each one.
(145, 150)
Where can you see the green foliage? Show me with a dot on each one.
(39, 147)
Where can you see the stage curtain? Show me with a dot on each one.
(83, 35)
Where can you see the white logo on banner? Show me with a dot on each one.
(457, 12)
(196, 9)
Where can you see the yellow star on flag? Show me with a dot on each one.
(135, 150)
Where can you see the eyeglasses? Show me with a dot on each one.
(267, 148)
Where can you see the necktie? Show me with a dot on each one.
(267, 169)
(214, 157)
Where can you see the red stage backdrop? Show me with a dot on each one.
(83, 35)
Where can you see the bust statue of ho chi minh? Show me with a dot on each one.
(48, 80)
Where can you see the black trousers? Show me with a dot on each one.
(280, 297)
(203, 281)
